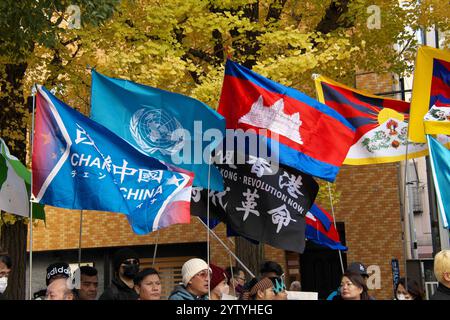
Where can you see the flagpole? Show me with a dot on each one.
(33, 94)
(402, 216)
(156, 248)
(79, 241)
(228, 249)
(405, 211)
(207, 220)
(334, 221)
(233, 243)
(231, 275)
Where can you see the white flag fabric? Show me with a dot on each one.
(13, 189)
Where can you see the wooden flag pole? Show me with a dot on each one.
(334, 221)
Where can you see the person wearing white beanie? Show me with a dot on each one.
(195, 273)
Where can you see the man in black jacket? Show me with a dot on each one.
(126, 266)
(442, 274)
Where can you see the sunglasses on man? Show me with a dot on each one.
(130, 262)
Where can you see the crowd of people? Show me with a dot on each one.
(201, 281)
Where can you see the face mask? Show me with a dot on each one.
(3, 284)
(401, 296)
(130, 271)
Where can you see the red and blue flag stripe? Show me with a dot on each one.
(320, 229)
(440, 84)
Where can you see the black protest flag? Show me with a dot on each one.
(261, 201)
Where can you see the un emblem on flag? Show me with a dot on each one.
(155, 130)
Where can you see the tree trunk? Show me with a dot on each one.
(13, 239)
(250, 254)
(13, 101)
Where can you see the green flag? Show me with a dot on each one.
(15, 182)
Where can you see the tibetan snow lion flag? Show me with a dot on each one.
(171, 127)
(320, 229)
(430, 104)
(313, 138)
(79, 164)
(381, 123)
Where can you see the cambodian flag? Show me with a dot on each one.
(313, 138)
(79, 164)
(320, 229)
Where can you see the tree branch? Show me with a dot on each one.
(251, 11)
(201, 55)
(219, 53)
(65, 43)
(330, 21)
(275, 10)
(250, 46)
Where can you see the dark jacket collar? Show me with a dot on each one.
(120, 284)
(443, 289)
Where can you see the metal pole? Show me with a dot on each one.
(231, 280)
(334, 220)
(207, 221)
(434, 219)
(33, 94)
(156, 248)
(228, 249)
(412, 225)
(79, 241)
(406, 212)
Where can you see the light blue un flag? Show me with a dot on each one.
(168, 126)
(79, 164)
(440, 165)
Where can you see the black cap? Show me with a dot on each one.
(358, 267)
(122, 255)
(58, 269)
